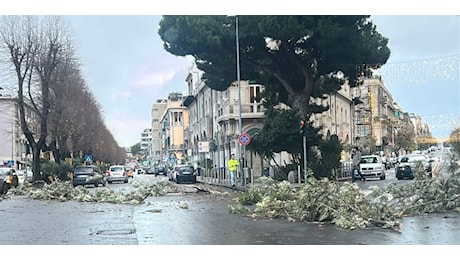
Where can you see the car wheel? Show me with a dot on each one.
(125, 181)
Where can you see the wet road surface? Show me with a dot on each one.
(195, 219)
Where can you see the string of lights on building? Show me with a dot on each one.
(410, 74)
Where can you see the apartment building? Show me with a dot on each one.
(13, 144)
(146, 140)
(215, 120)
(377, 116)
(208, 121)
(338, 120)
(173, 123)
(155, 155)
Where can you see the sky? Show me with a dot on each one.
(127, 68)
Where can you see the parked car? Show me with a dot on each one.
(372, 166)
(407, 165)
(117, 173)
(161, 170)
(182, 174)
(149, 170)
(88, 174)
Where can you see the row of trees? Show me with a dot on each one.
(296, 58)
(57, 111)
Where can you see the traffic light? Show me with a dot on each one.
(303, 127)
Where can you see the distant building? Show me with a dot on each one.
(174, 121)
(214, 120)
(155, 152)
(146, 139)
(14, 148)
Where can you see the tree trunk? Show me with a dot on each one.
(36, 163)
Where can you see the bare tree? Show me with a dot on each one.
(67, 119)
(35, 46)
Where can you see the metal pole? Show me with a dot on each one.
(298, 174)
(238, 78)
(305, 157)
(240, 124)
(243, 176)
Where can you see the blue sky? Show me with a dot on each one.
(127, 68)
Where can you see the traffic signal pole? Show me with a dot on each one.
(305, 157)
(303, 132)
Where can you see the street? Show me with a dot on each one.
(194, 218)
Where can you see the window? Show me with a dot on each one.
(254, 91)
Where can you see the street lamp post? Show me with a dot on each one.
(240, 124)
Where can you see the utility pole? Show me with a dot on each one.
(303, 132)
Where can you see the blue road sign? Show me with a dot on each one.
(88, 158)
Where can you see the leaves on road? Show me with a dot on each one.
(348, 206)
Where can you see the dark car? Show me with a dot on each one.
(160, 170)
(407, 166)
(183, 174)
(88, 175)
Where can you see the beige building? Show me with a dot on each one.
(376, 116)
(155, 154)
(215, 121)
(338, 120)
(205, 124)
(174, 121)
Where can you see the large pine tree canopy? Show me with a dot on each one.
(296, 57)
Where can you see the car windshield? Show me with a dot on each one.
(410, 159)
(369, 160)
(83, 169)
(116, 169)
(185, 169)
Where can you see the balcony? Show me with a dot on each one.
(248, 111)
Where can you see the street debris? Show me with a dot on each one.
(183, 204)
(64, 191)
(346, 205)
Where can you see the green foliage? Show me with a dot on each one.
(135, 149)
(64, 191)
(349, 207)
(328, 159)
(206, 163)
(305, 58)
(51, 168)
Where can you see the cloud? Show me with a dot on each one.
(153, 78)
(126, 128)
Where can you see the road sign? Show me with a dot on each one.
(244, 139)
(88, 158)
(203, 147)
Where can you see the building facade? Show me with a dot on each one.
(205, 124)
(155, 155)
(174, 121)
(14, 150)
(146, 140)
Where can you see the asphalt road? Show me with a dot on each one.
(191, 218)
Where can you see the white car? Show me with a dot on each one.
(117, 173)
(372, 166)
